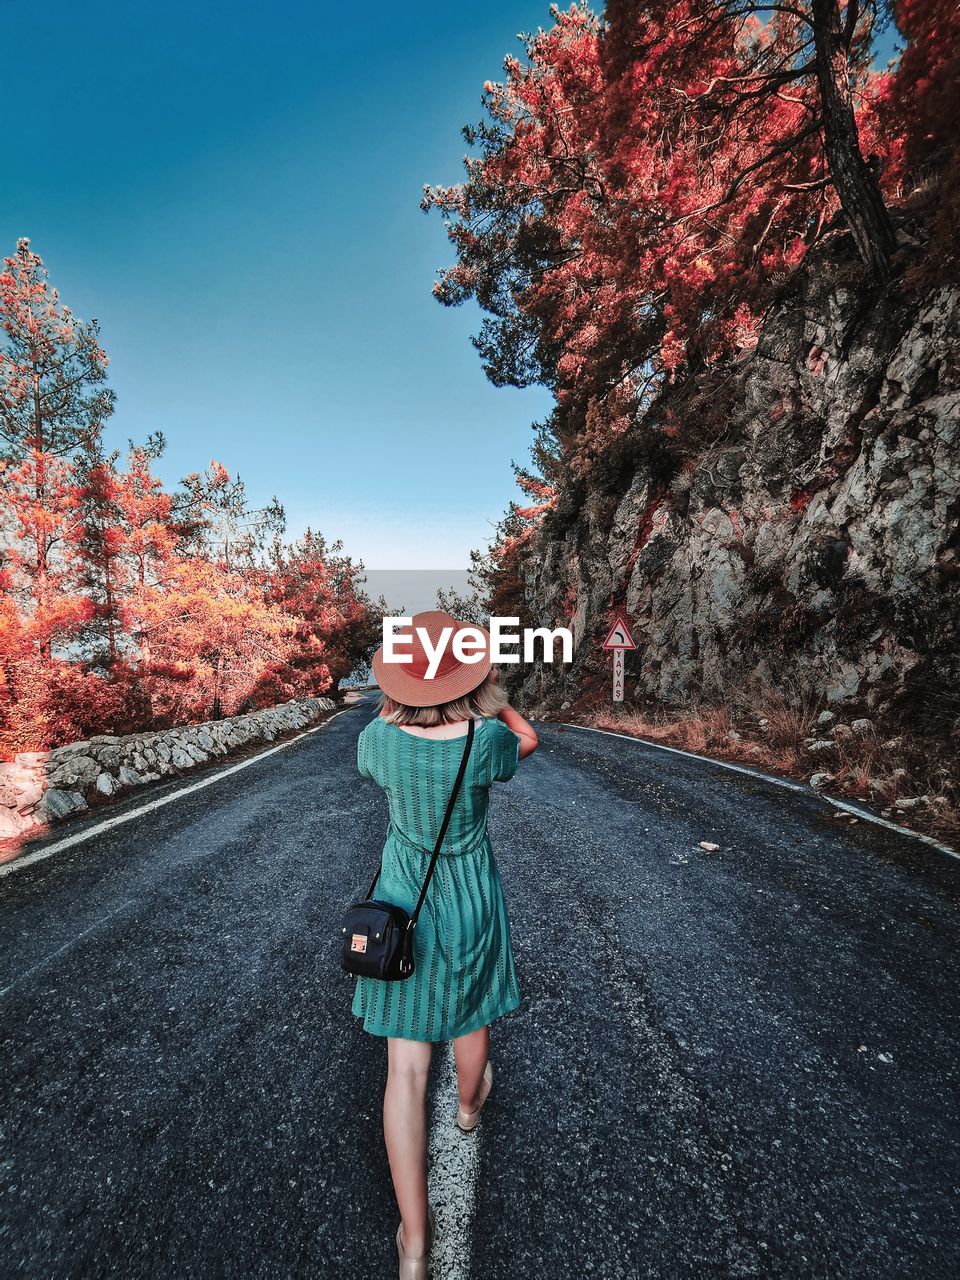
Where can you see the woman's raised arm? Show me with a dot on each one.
(522, 728)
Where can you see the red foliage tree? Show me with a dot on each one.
(101, 544)
(639, 182)
(925, 92)
(211, 634)
(335, 625)
(52, 367)
(923, 110)
(41, 516)
(52, 404)
(123, 606)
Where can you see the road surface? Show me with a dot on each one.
(740, 1063)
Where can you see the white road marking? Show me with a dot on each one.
(28, 859)
(452, 1182)
(865, 814)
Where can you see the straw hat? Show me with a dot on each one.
(407, 682)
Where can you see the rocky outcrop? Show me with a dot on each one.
(38, 788)
(812, 549)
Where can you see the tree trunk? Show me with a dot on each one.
(216, 712)
(110, 607)
(41, 591)
(857, 188)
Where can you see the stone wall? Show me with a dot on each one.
(38, 788)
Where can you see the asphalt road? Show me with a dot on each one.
(742, 1063)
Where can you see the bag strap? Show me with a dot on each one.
(471, 725)
(446, 822)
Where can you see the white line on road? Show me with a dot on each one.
(28, 859)
(865, 814)
(454, 1173)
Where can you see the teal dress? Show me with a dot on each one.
(464, 973)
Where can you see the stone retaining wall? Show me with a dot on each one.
(41, 787)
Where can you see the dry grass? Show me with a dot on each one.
(769, 729)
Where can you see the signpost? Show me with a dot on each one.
(618, 640)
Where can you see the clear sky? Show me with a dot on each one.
(233, 191)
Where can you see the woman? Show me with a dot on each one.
(464, 973)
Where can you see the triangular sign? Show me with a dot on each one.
(619, 637)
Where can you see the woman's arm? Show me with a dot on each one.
(522, 728)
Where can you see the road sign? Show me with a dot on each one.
(619, 637)
(618, 640)
(618, 675)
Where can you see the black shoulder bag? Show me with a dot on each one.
(378, 936)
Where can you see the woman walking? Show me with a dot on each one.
(464, 975)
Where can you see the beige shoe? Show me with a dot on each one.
(417, 1268)
(467, 1120)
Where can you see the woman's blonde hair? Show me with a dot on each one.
(487, 700)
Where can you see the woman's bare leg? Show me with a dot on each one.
(405, 1133)
(471, 1052)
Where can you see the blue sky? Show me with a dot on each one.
(233, 190)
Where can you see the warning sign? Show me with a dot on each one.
(618, 640)
(619, 637)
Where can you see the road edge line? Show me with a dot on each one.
(39, 855)
(865, 814)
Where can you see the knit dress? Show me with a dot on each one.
(464, 974)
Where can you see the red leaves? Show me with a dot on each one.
(925, 93)
(123, 606)
(320, 588)
(638, 185)
(101, 564)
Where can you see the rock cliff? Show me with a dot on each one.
(812, 545)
